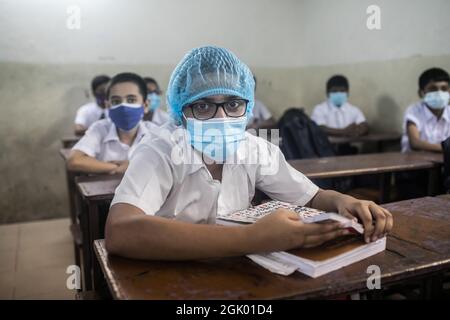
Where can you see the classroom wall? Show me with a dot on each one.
(292, 46)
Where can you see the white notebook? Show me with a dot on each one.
(313, 262)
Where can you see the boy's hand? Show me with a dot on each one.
(121, 167)
(377, 221)
(283, 230)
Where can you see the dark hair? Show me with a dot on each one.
(337, 81)
(151, 80)
(433, 74)
(128, 77)
(98, 81)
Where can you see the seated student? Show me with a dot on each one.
(337, 116)
(154, 113)
(427, 122)
(261, 117)
(176, 185)
(92, 111)
(106, 146)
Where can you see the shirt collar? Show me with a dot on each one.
(332, 107)
(113, 136)
(430, 115)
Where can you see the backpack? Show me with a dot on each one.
(302, 138)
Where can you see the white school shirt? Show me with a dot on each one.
(155, 183)
(430, 128)
(160, 117)
(89, 113)
(260, 112)
(327, 114)
(102, 142)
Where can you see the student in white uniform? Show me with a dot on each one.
(261, 118)
(176, 185)
(336, 116)
(92, 111)
(108, 143)
(153, 112)
(427, 122)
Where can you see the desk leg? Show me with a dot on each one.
(433, 181)
(84, 224)
(94, 235)
(385, 187)
(433, 287)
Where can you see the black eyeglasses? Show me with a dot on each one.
(207, 110)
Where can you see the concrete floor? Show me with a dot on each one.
(34, 257)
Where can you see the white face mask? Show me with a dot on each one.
(437, 100)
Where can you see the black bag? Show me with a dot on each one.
(446, 150)
(302, 138)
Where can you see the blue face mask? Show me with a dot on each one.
(126, 116)
(155, 101)
(217, 138)
(338, 98)
(437, 100)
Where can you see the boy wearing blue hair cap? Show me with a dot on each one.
(179, 181)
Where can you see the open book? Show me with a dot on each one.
(313, 262)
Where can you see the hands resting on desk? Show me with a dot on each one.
(131, 233)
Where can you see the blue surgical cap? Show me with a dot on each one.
(208, 71)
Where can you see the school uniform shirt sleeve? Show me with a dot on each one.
(91, 142)
(412, 114)
(82, 116)
(319, 115)
(280, 181)
(147, 181)
(261, 112)
(359, 116)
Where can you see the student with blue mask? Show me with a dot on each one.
(202, 166)
(90, 112)
(336, 116)
(108, 143)
(427, 122)
(154, 112)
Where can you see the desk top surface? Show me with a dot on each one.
(341, 166)
(419, 244)
(371, 137)
(103, 186)
(98, 187)
(64, 153)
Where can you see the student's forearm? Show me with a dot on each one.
(79, 130)
(145, 237)
(363, 128)
(267, 124)
(326, 200)
(334, 131)
(90, 165)
(421, 145)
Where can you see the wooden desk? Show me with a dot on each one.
(383, 164)
(69, 142)
(378, 138)
(418, 248)
(96, 192)
(64, 153)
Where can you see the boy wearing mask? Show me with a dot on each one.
(92, 111)
(336, 116)
(154, 113)
(427, 122)
(177, 184)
